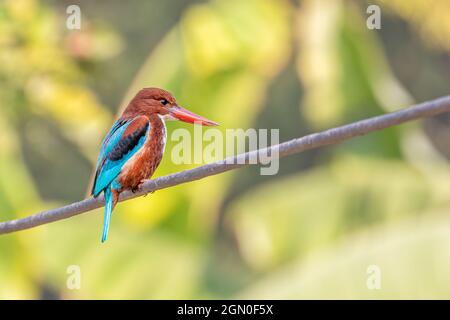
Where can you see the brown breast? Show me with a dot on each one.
(144, 163)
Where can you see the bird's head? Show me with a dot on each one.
(151, 101)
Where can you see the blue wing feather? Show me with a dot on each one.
(107, 169)
(112, 138)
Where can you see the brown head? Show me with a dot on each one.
(155, 101)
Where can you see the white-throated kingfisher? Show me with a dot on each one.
(133, 148)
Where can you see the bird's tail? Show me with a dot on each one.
(110, 202)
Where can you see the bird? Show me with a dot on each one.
(134, 146)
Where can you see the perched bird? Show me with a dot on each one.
(133, 148)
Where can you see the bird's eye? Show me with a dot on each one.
(164, 102)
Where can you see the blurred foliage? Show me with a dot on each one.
(309, 233)
(41, 79)
(413, 257)
(433, 26)
(39, 82)
(353, 201)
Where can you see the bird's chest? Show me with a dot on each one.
(144, 163)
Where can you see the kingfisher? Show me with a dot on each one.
(133, 148)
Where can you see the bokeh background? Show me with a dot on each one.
(312, 231)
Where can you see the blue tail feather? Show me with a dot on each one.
(108, 211)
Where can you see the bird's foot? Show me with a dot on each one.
(138, 188)
(147, 193)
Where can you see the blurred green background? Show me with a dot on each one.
(312, 231)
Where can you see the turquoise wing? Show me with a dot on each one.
(124, 139)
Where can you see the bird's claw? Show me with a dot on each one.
(138, 188)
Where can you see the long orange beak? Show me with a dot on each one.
(190, 117)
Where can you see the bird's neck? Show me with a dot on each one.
(159, 130)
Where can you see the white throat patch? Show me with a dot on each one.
(163, 120)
